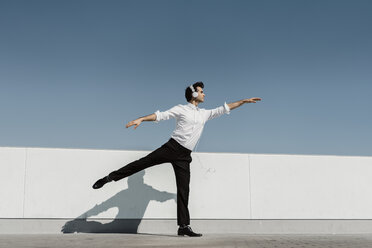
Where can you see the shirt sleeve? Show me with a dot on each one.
(213, 113)
(166, 115)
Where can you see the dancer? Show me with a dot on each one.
(190, 121)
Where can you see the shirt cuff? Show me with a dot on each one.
(157, 113)
(227, 109)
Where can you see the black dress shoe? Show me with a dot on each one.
(100, 183)
(187, 231)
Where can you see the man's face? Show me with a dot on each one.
(201, 94)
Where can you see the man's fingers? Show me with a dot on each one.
(252, 100)
(129, 124)
(256, 99)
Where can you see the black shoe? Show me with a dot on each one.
(100, 183)
(187, 231)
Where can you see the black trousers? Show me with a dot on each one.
(180, 158)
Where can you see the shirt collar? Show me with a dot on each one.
(192, 106)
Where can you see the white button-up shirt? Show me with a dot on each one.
(190, 121)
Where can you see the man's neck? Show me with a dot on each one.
(195, 103)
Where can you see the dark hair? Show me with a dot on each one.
(188, 91)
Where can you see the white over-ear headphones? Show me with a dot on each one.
(194, 93)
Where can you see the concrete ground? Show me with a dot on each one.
(208, 240)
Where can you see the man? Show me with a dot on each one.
(190, 121)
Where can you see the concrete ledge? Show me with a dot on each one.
(169, 226)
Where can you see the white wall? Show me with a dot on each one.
(57, 183)
(12, 175)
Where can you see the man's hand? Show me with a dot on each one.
(234, 105)
(136, 122)
(252, 100)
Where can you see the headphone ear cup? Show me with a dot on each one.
(195, 94)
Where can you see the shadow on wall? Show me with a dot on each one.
(133, 200)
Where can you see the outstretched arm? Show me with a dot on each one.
(157, 116)
(138, 121)
(234, 105)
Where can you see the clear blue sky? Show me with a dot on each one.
(73, 73)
